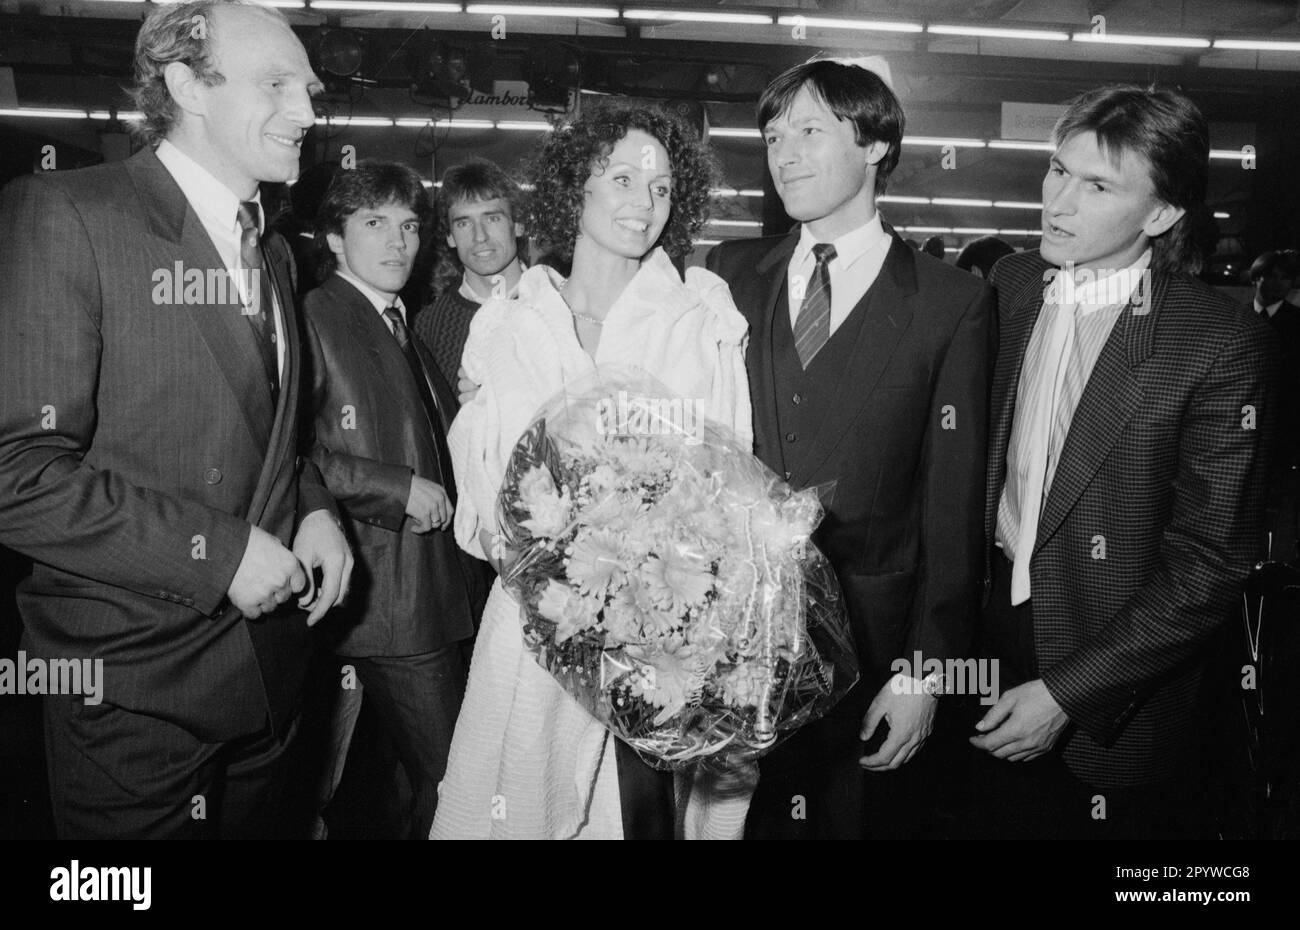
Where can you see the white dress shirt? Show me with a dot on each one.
(467, 290)
(859, 256)
(1098, 304)
(217, 208)
(1270, 311)
(377, 300)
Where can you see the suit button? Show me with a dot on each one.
(212, 475)
(787, 476)
(797, 398)
(791, 437)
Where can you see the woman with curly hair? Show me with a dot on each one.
(620, 191)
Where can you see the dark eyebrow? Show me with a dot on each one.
(457, 217)
(803, 120)
(1102, 178)
(314, 84)
(629, 165)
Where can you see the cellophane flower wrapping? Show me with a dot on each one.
(666, 577)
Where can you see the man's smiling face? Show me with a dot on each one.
(251, 125)
(823, 176)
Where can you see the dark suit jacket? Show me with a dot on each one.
(137, 444)
(902, 528)
(411, 593)
(1286, 323)
(1166, 465)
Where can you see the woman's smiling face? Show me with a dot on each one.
(628, 200)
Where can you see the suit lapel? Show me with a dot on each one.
(280, 445)
(766, 291)
(370, 331)
(887, 309)
(1110, 398)
(223, 327)
(447, 403)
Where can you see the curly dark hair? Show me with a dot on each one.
(561, 168)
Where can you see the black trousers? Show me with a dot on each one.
(645, 797)
(115, 774)
(1042, 798)
(416, 700)
(811, 786)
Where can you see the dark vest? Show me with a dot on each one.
(803, 397)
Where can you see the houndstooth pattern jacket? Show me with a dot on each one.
(1154, 516)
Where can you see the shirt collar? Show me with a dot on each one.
(849, 247)
(1268, 311)
(377, 300)
(1089, 292)
(216, 204)
(467, 291)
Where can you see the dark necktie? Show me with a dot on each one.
(403, 337)
(812, 328)
(260, 306)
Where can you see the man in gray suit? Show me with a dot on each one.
(148, 393)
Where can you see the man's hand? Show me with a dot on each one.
(320, 544)
(428, 506)
(465, 388)
(268, 575)
(910, 712)
(1024, 724)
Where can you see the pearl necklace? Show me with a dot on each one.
(581, 316)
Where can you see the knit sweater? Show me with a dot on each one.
(443, 327)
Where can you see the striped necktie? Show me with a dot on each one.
(259, 307)
(812, 328)
(431, 410)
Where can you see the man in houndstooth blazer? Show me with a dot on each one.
(1152, 511)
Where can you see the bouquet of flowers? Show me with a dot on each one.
(666, 577)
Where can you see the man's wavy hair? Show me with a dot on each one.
(371, 183)
(1168, 132)
(169, 34)
(850, 93)
(568, 156)
(474, 180)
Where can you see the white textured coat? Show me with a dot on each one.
(527, 761)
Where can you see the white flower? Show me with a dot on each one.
(570, 612)
(594, 562)
(680, 578)
(549, 512)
